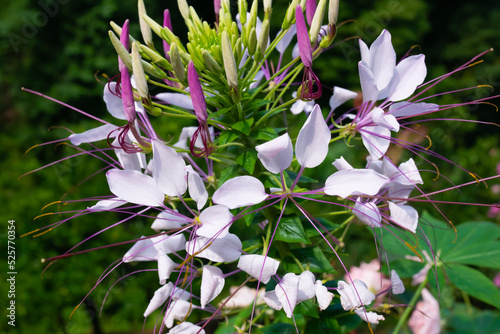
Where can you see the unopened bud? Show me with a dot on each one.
(120, 50)
(290, 15)
(252, 42)
(263, 41)
(155, 57)
(177, 65)
(229, 62)
(317, 21)
(118, 31)
(138, 71)
(242, 9)
(253, 13)
(267, 6)
(333, 12)
(211, 63)
(153, 25)
(183, 8)
(145, 28)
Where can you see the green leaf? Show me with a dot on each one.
(228, 173)
(266, 134)
(478, 321)
(291, 230)
(237, 320)
(309, 257)
(474, 283)
(308, 308)
(304, 179)
(227, 137)
(244, 126)
(247, 160)
(278, 328)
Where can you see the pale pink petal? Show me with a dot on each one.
(244, 296)
(215, 222)
(277, 154)
(312, 143)
(114, 104)
(376, 140)
(240, 191)
(100, 133)
(165, 267)
(225, 249)
(307, 287)
(107, 205)
(286, 39)
(409, 74)
(354, 182)
(368, 213)
(196, 188)
(167, 244)
(142, 250)
(272, 300)
(287, 291)
(160, 296)
(342, 164)
(258, 266)
(370, 317)
(404, 216)
(383, 60)
(178, 310)
(379, 117)
(408, 109)
(169, 170)
(353, 296)
(168, 221)
(426, 318)
(397, 284)
(176, 99)
(323, 296)
(340, 96)
(368, 83)
(212, 283)
(186, 328)
(134, 187)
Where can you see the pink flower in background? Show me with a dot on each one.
(426, 319)
(369, 273)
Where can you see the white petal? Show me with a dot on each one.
(408, 109)
(342, 164)
(312, 143)
(225, 249)
(323, 296)
(167, 244)
(368, 84)
(271, 299)
(354, 295)
(286, 39)
(307, 287)
(196, 188)
(142, 250)
(169, 170)
(340, 96)
(165, 268)
(277, 154)
(409, 174)
(376, 140)
(134, 187)
(287, 292)
(409, 73)
(107, 205)
(240, 191)
(368, 213)
(100, 133)
(370, 317)
(396, 283)
(215, 222)
(259, 267)
(168, 221)
(114, 104)
(212, 283)
(379, 117)
(178, 310)
(383, 59)
(404, 216)
(354, 182)
(176, 99)
(186, 328)
(160, 296)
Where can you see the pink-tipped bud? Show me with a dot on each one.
(310, 10)
(217, 7)
(166, 23)
(305, 49)
(127, 95)
(124, 39)
(197, 96)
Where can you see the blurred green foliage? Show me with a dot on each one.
(61, 48)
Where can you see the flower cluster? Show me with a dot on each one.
(230, 196)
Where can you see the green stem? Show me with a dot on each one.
(410, 307)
